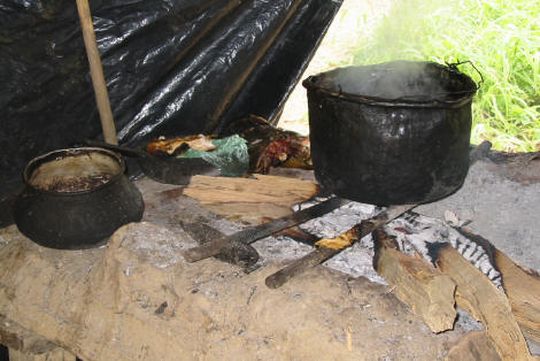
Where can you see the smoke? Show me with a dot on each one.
(392, 80)
(414, 30)
(401, 34)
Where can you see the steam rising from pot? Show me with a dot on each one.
(394, 80)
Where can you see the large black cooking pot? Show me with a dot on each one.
(76, 198)
(391, 133)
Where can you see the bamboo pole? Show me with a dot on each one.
(96, 72)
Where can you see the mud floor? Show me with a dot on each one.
(219, 312)
(499, 200)
(209, 310)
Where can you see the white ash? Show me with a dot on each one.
(158, 245)
(226, 227)
(336, 222)
(355, 261)
(419, 234)
(414, 233)
(280, 248)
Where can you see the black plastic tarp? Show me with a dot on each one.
(172, 67)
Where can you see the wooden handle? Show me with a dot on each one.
(96, 72)
(128, 152)
(299, 266)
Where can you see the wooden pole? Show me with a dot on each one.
(96, 72)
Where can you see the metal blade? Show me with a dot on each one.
(252, 234)
(237, 253)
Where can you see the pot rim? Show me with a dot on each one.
(311, 83)
(358, 99)
(41, 159)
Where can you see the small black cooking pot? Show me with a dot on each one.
(76, 198)
(391, 133)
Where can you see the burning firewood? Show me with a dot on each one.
(476, 294)
(328, 248)
(417, 283)
(431, 264)
(522, 287)
(489, 285)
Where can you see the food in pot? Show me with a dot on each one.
(76, 184)
(75, 170)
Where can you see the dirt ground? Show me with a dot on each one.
(348, 318)
(138, 300)
(498, 200)
(141, 291)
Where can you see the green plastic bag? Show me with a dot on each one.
(231, 155)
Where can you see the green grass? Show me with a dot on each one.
(501, 37)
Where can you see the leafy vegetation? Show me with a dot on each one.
(502, 39)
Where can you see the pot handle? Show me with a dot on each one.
(116, 148)
(310, 82)
(454, 67)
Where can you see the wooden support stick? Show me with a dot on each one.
(428, 292)
(522, 287)
(96, 72)
(250, 235)
(523, 290)
(328, 248)
(476, 294)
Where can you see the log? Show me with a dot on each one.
(250, 199)
(476, 294)
(428, 292)
(57, 354)
(523, 290)
(474, 346)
